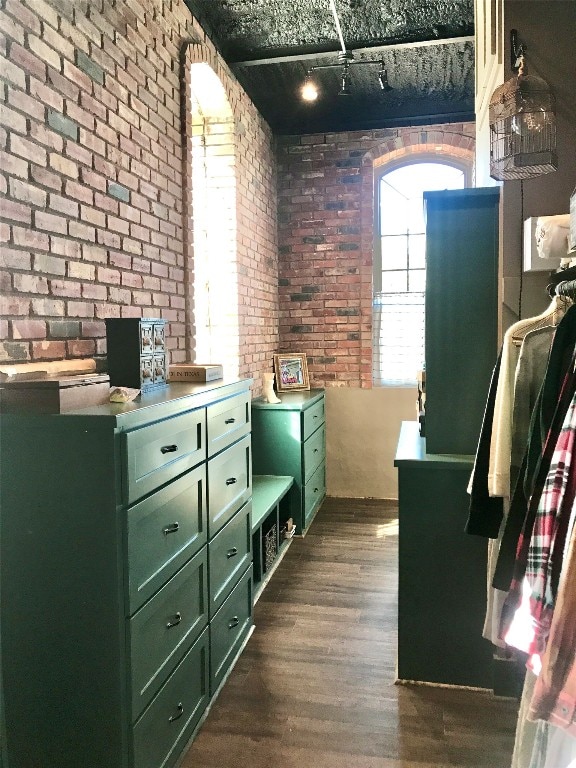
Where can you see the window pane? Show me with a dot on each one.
(395, 282)
(417, 251)
(394, 252)
(393, 210)
(398, 322)
(417, 280)
(416, 223)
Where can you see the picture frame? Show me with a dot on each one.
(291, 369)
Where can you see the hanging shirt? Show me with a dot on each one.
(528, 629)
(485, 511)
(554, 697)
(551, 523)
(530, 373)
(517, 586)
(535, 465)
(499, 481)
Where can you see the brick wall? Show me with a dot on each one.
(91, 174)
(326, 236)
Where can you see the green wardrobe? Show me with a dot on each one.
(461, 314)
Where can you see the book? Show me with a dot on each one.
(194, 372)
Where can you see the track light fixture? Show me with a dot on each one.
(309, 91)
(346, 61)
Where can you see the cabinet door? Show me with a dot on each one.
(314, 452)
(168, 723)
(230, 483)
(229, 628)
(164, 531)
(442, 581)
(227, 422)
(461, 314)
(165, 626)
(312, 418)
(230, 555)
(314, 492)
(156, 454)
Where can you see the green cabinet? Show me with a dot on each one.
(441, 570)
(288, 438)
(126, 582)
(461, 314)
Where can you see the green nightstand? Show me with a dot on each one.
(289, 438)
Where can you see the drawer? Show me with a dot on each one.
(313, 417)
(230, 483)
(314, 492)
(314, 451)
(229, 628)
(165, 627)
(227, 422)
(164, 531)
(158, 453)
(230, 553)
(168, 723)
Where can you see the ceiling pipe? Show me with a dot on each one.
(338, 27)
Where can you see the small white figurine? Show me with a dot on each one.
(269, 394)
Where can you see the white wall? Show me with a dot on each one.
(362, 429)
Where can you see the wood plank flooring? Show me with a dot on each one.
(315, 688)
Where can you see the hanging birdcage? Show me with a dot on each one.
(522, 128)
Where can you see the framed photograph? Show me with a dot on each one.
(291, 372)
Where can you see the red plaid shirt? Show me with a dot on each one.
(514, 597)
(549, 532)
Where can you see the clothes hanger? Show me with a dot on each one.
(566, 289)
(568, 273)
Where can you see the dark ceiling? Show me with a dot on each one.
(426, 46)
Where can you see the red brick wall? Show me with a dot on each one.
(326, 236)
(91, 175)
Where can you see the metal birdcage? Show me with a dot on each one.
(522, 128)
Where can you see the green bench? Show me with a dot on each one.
(271, 514)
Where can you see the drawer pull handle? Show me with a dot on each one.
(178, 715)
(231, 481)
(234, 621)
(172, 528)
(316, 490)
(169, 449)
(230, 421)
(175, 621)
(315, 450)
(231, 552)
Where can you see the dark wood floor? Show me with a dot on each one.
(315, 688)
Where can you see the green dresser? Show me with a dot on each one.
(289, 438)
(126, 573)
(441, 570)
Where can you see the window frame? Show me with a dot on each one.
(380, 171)
(384, 170)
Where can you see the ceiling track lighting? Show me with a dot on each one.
(310, 90)
(346, 59)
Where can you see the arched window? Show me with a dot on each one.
(213, 198)
(400, 266)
